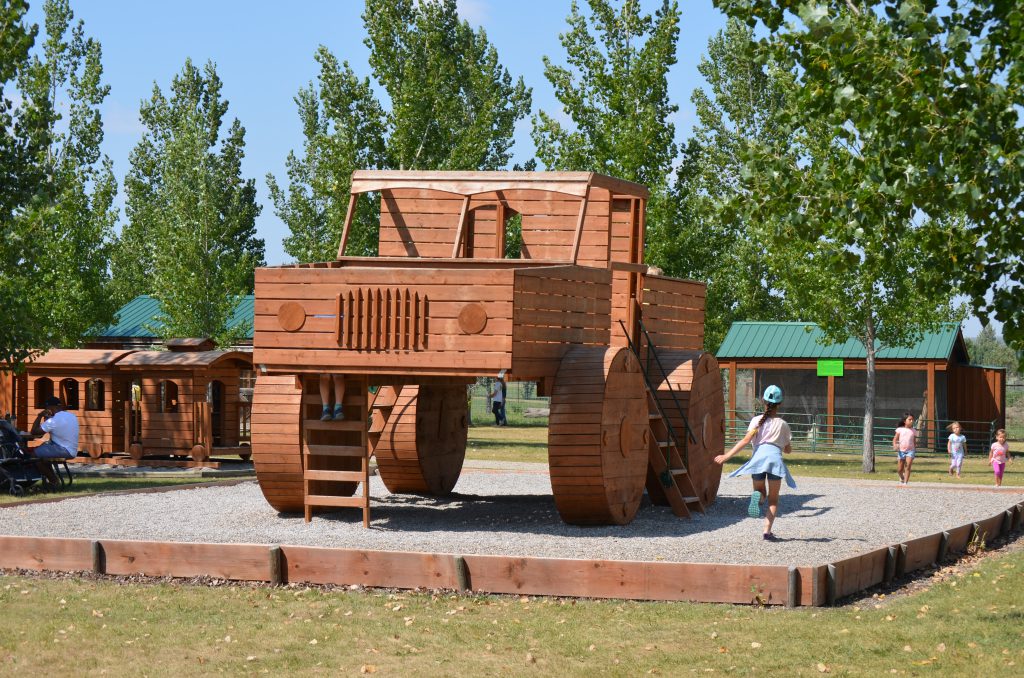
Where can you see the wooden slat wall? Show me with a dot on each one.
(673, 312)
(7, 400)
(555, 309)
(976, 394)
(97, 429)
(449, 350)
(167, 432)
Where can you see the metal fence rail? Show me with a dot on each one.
(811, 433)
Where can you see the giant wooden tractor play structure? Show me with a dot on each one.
(635, 403)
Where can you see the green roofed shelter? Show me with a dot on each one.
(137, 319)
(932, 378)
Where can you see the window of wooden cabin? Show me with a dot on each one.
(69, 393)
(94, 395)
(481, 230)
(168, 396)
(44, 390)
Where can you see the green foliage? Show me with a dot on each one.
(707, 241)
(453, 106)
(988, 349)
(56, 197)
(23, 140)
(864, 237)
(615, 91)
(925, 99)
(191, 240)
(78, 221)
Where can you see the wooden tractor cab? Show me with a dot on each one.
(635, 402)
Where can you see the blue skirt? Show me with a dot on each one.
(767, 459)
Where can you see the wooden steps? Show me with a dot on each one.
(668, 481)
(336, 454)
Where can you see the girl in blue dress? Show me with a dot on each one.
(771, 438)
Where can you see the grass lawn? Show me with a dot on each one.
(86, 485)
(508, 443)
(969, 624)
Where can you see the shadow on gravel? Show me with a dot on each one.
(536, 514)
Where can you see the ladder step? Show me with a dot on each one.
(678, 471)
(334, 476)
(351, 400)
(387, 399)
(664, 443)
(335, 450)
(344, 425)
(328, 500)
(653, 415)
(691, 500)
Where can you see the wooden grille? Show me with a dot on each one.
(376, 319)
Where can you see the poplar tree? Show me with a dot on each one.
(614, 89)
(192, 214)
(23, 189)
(709, 242)
(77, 222)
(453, 106)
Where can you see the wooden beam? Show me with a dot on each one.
(348, 223)
(462, 228)
(499, 230)
(579, 227)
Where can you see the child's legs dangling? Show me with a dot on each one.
(325, 389)
(773, 504)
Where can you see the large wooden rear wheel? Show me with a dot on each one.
(276, 440)
(697, 382)
(598, 436)
(423, 444)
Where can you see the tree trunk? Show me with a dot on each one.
(868, 458)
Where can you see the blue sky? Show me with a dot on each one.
(264, 53)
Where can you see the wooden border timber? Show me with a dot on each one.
(694, 582)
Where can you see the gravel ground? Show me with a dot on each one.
(511, 512)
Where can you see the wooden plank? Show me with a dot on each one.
(334, 476)
(921, 552)
(180, 559)
(326, 500)
(45, 553)
(369, 568)
(334, 450)
(860, 572)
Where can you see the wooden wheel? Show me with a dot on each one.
(597, 436)
(697, 381)
(136, 451)
(95, 452)
(276, 451)
(199, 453)
(423, 444)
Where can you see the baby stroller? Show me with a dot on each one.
(19, 471)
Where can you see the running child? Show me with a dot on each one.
(956, 445)
(905, 445)
(999, 456)
(771, 438)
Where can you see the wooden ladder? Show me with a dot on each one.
(336, 454)
(667, 477)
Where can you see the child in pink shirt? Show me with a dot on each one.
(999, 456)
(905, 444)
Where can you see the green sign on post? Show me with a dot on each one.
(830, 368)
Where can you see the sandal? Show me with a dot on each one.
(754, 509)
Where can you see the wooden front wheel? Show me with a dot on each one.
(423, 444)
(596, 447)
(276, 451)
(136, 451)
(95, 452)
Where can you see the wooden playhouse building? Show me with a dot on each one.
(933, 379)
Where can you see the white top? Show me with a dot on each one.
(956, 443)
(775, 432)
(497, 396)
(63, 430)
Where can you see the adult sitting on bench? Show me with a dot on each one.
(63, 443)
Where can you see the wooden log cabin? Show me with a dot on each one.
(187, 401)
(635, 402)
(91, 387)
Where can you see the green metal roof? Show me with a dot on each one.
(145, 310)
(801, 340)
